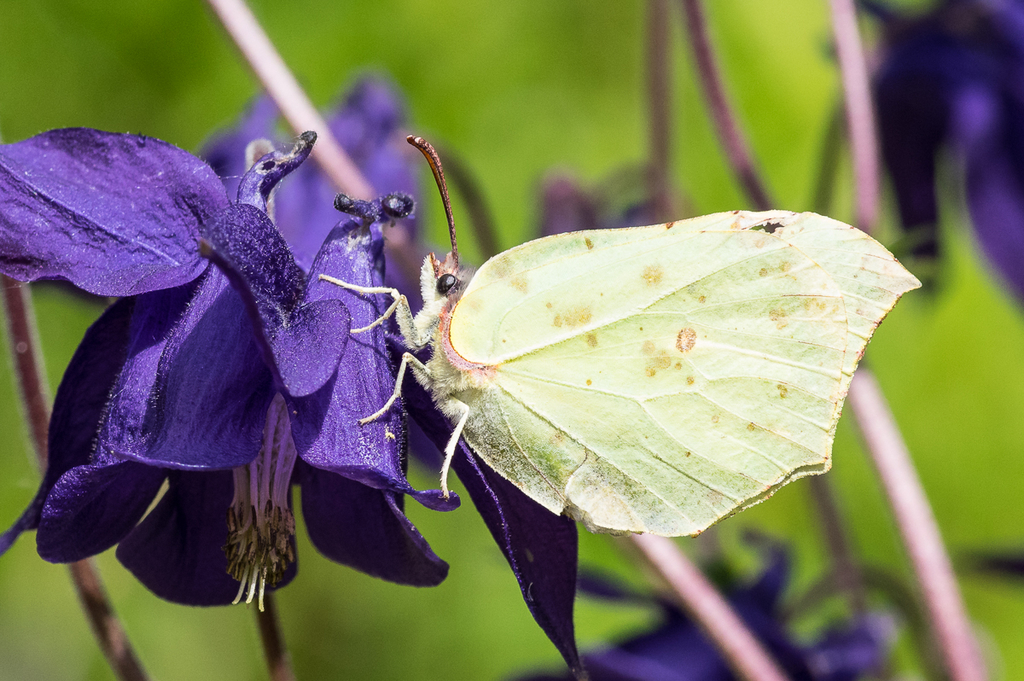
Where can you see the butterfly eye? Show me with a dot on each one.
(445, 283)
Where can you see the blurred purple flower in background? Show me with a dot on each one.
(954, 79)
(677, 650)
(231, 383)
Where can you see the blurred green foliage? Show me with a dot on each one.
(517, 89)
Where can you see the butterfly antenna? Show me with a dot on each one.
(435, 166)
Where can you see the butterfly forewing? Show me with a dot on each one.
(870, 278)
(656, 378)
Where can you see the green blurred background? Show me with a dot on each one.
(517, 89)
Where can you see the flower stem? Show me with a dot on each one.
(284, 89)
(885, 444)
(913, 514)
(860, 120)
(736, 148)
(744, 654)
(659, 105)
(480, 217)
(918, 528)
(844, 566)
(278, 664)
(28, 364)
(105, 626)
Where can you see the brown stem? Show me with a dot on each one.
(828, 163)
(844, 565)
(741, 650)
(104, 623)
(918, 529)
(284, 89)
(737, 149)
(659, 99)
(28, 364)
(860, 120)
(480, 218)
(278, 664)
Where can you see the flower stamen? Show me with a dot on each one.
(261, 527)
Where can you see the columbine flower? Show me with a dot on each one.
(230, 383)
(677, 650)
(955, 78)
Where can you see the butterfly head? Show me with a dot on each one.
(442, 281)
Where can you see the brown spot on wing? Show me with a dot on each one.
(588, 242)
(778, 316)
(518, 282)
(652, 275)
(783, 391)
(647, 348)
(577, 315)
(686, 339)
(592, 339)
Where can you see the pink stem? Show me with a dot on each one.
(918, 528)
(860, 118)
(289, 96)
(902, 485)
(744, 654)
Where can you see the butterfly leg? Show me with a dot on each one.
(400, 306)
(449, 450)
(407, 359)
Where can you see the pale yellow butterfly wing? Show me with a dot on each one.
(654, 379)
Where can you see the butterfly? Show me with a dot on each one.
(650, 379)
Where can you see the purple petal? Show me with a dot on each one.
(995, 188)
(852, 652)
(194, 391)
(325, 426)
(302, 343)
(540, 547)
(366, 529)
(675, 652)
(176, 551)
(368, 126)
(78, 407)
(93, 507)
(226, 152)
(913, 114)
(566, 207)
(114, 214)
(269, 170)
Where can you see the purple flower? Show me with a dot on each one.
(955, 78)
(677, 650)
(227, 383)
